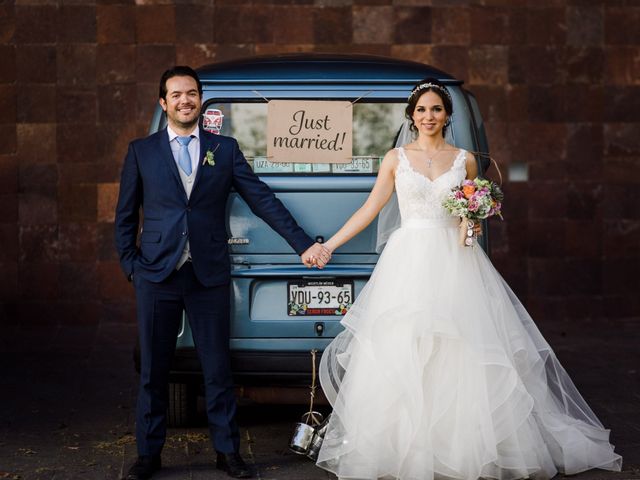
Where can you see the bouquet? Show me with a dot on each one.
(474, 200)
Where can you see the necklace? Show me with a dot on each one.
(430, 158)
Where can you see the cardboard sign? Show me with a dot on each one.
(309, 131)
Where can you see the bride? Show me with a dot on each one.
(440, 372)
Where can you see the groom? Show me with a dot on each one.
(181, 177)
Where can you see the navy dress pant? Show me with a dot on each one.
(159, 308)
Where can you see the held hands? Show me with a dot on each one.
(316, 255)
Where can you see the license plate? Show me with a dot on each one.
(319, 297)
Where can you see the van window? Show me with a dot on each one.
(375, 126)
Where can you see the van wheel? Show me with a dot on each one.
(182, 404)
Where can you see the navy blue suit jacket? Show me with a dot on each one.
(150, 180)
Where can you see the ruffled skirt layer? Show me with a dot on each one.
(441, 373)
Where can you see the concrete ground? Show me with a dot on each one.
(68, 395)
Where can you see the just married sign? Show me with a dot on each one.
(309, 131)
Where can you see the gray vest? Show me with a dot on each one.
(187, 184)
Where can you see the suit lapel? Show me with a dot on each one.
(207, 142)
(167, 157)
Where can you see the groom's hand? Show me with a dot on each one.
(316, 255)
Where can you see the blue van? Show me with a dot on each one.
(271, 334)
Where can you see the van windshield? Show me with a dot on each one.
(375, 126)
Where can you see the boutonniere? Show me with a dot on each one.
(209, 157)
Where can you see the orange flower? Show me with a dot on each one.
(468, 191)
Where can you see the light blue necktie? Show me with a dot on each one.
(184, 159)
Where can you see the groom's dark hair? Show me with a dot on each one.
(178, 71)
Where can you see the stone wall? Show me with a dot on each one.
(558, 83)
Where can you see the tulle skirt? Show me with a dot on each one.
(441, 373)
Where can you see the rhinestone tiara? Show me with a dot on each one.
(422, 86)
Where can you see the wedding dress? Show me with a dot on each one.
(441, 373)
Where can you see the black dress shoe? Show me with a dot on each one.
(145, 467)
(233, 464)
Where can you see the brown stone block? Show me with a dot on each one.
(40, 313)
(412, 25)
(584, 200)
(79, 312)
(8, 102)
(113, 140)
(7, 63)
(9, 207)
(77, 24)
(243, 24)
(585, 25)
(112, 282)
(38, 281)
(621, 25)
(76, 106)
(37, 104)
(622, 65)
(9, 285)
(78, 242)
(452, 59)
(547, 103)
(156, 24)
(76, 142)
(517, 240)
(550, 200)
(537, 65)
(546, 25)
(620, 275)
(76, 65)
(584, 275)
(114, 101)
(147, 101)
(492, 101)
(488, 65)
(36, 143)
(621, 139)
(106, 242)
(516, 205)
(547, 278)
(38, 244)
(152, 61)
(7, 22)
(499, 146)
(585, 150)
(413, 52)
(116, 24)
(583, 238)
(38, 206)
(35, 63)
(8, 174)
(584, 65)
(36, 24)
(186, 31)
(107, 199)
(332, 25)
(616, 203)
(115, 64)
(118, 312)
(450, 26)
(550, 170)
(298, 31)
(622, 104)
(353, 49)
(371, 25)
(621, 238)
(622, 170)
(538, 142)
(200, 54)
(232, 52)
(75, 173)
(489, 25)
(621, 306)
(546, 238)
(77, 203)
(9, 144)
(581, 307)
(37, 175)
(517, 103)
(585, 103)
(78, 280)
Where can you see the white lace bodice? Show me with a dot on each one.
(420, 197)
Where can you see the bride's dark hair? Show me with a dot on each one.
(428, 85)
